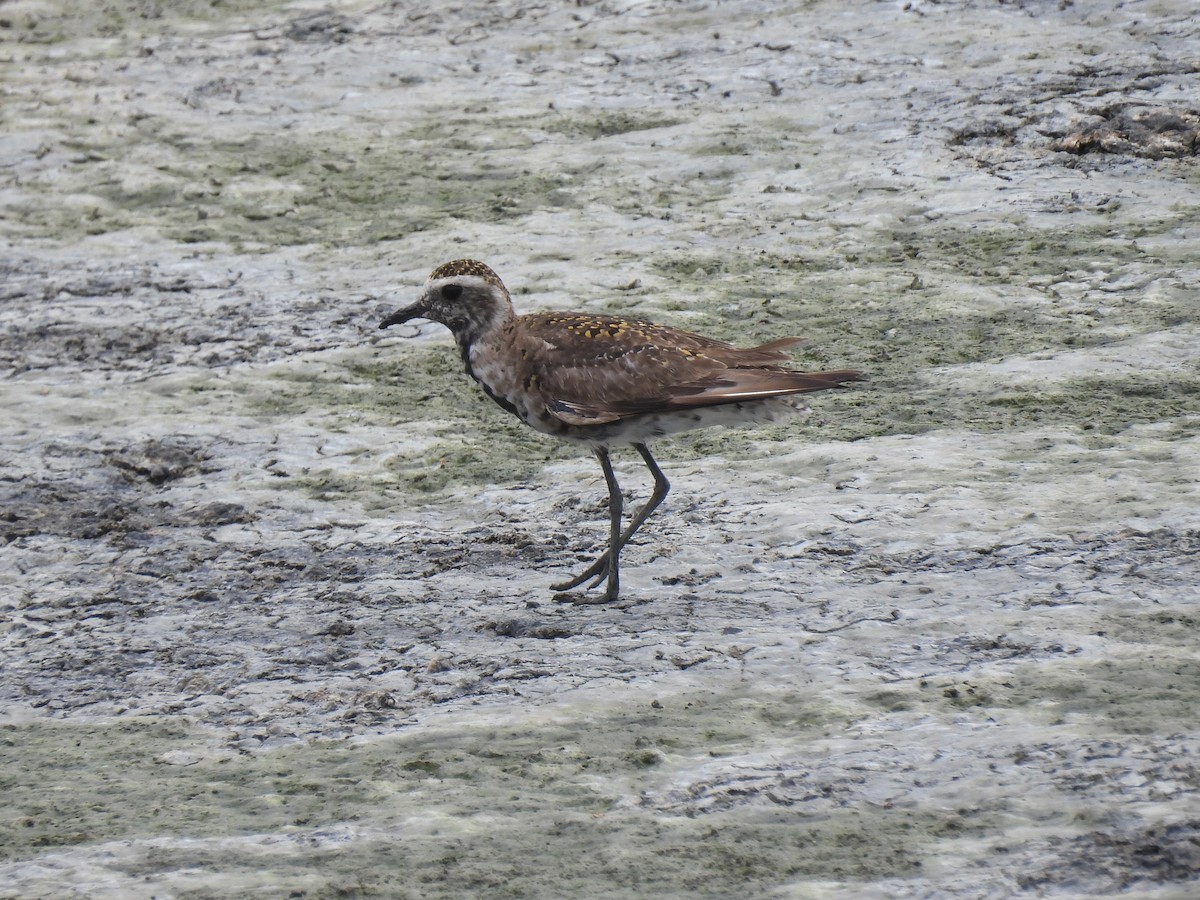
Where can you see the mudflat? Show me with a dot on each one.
(275, 605)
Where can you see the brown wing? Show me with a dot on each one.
(734, 386)
(597, 369)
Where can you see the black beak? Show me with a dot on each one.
(400, 316)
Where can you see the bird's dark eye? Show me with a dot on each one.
(452, 291)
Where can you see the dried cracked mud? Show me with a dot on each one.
(275, 608)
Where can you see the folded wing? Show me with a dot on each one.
(590, 372)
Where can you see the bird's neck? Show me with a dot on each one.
(487, 327)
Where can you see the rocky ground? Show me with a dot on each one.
(275, 585)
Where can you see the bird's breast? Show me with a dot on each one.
(510, 381)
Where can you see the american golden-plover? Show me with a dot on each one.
(606, 381)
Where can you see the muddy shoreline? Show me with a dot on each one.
(275, 604)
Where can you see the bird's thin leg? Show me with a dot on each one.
(615, 504)
(661, 487)
(599, 569)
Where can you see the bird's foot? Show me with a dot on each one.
(600, 571)
(579, 598)
(597, 570)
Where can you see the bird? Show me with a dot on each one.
(607, 381)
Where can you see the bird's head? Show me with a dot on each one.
(464, 295)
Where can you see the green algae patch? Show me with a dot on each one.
(448, 433)
(1093, 406)
(75, 784)
(1103, 405)
(1111, 696)
(124, 21)
(530, 810)
(607, 123)
(1129, 696)
(896, 302)
(264, 191)
(1175, 627)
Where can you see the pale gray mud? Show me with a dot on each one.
(276, 615)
